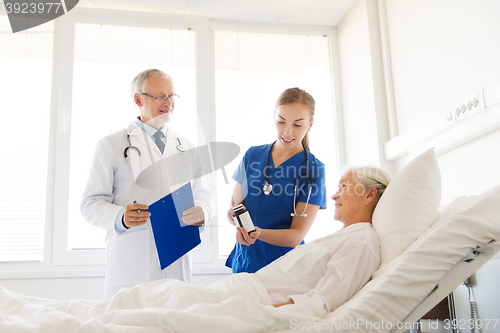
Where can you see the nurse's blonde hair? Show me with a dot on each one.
(297, 95)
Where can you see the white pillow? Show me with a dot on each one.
(409, 206)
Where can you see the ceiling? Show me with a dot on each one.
(310, 12)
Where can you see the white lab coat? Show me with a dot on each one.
(114, 183)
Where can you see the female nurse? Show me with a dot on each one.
(282, 186)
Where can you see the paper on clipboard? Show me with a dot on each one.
(173, 237)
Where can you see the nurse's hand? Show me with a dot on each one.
(230, 216)
(194, 216)
(244, 238)
(230, 213)
(135, 215)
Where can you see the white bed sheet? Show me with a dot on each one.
(234, 304)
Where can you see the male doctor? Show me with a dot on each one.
(133, 168)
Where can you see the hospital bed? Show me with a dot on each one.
(430, 269)
(426, 252)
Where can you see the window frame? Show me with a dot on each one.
(58, 261)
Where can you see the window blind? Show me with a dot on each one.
(270, 53)
(133, 45)
(32, 43)
(25, 80)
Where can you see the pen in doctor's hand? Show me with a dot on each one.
(135, 215)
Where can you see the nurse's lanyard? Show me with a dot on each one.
(268, 188)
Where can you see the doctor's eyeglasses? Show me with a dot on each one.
(163, 99)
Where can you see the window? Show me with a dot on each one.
(252, 69)
(25, 82)
(106, 59)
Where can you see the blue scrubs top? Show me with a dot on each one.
(273, 211)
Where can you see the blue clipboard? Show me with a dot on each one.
(173, 237)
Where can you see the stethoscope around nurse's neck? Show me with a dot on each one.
(268, 188)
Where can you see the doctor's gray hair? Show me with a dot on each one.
(140, 82)
(369, 177)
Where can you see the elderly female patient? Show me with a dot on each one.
(320, 276)
(324, 274)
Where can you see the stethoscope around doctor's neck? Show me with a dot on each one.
(125, 152)
(268, 188)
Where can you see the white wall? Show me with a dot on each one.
(442, 51)
(471, 168)
(363, 93)
(357, 86)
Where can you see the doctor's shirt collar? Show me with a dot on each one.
(150, 131)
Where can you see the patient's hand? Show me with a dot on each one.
(281, 304)
(244, 238)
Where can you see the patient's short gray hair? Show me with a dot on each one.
(371, 177)
(140, 82)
